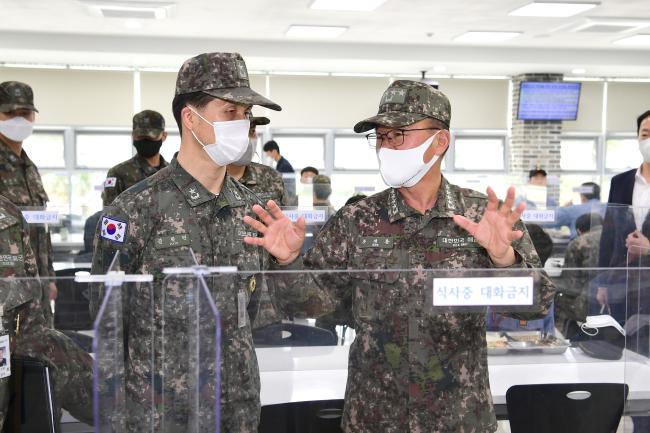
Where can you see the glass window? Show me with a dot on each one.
(569, 184)
(578, 154)
(479, 153)
(622, 154)
(354, 153)
(302, 151)
(46, 149)
(103, 150)
(170, 146)
(345, 185)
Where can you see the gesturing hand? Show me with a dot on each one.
(280, 237)
(494, 232)
(637, 244)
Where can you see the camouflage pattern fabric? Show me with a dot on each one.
(410, 369)
(21, 183)
(222, 75)
(406, 102)
(70, 367)
(582, 252)
(15, 95)
(126, 174)
(167, 216)
(148, 123)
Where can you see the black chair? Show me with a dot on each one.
(291, 334)
(302, 417)
(72, 302)
(566, 407)
(31, 408)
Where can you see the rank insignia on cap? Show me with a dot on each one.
(110, 182)
(113, 230)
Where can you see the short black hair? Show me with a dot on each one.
(309, 169)
(541, 241)
(271, 145)
(640, 120)
(587, 221)
(595, 191)
(536, 171)
(195, 99)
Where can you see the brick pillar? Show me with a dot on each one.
(534, 142)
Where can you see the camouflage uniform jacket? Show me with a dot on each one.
(23, 320)
(126, 174)
(412, 369)
(168, 216)
(21, 183)
(582, 252)
(265, 182)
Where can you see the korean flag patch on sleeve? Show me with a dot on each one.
(113, 230)
(110, 182)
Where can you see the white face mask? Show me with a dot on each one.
(247, 157)
(231, 140)
(405, 168)
(644, 147)
(16, 129)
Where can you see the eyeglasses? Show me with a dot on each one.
(394, 137)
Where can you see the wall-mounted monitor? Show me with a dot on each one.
(540, 100)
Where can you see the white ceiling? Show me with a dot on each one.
(394, 39)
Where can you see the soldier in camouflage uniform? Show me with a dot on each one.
(20, 180)
(582, 252)
(23, 320)
(411, 369)
(148, 136)
(192, 207)
(263, 180)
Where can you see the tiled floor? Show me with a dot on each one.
(624, 427)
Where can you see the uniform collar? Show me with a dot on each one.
(195, 193)
(447, 204)
(142, 162)
(249, 177)
(8, 155)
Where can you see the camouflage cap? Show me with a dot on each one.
(222, 75)
(148, 123)
(406, 102)
(15, 95)
(259, 121)
(321, 179)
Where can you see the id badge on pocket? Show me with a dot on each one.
(241, 309)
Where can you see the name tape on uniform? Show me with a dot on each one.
(311, 216)
(41, 216)
(472, 292)
(538, 216)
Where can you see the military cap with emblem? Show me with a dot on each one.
(15, 95)
(406, 102)
(148, 123)
(222, 75)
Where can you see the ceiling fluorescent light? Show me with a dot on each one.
(481, 77)
(100, 68)
(552, 9)
(301, 73)
(317, 32)
(486, 37)
(33, 66)
(347, 5)
(634, 41)
(359, 74)
(130, 9)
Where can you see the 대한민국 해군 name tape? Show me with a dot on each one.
(538, 216)
(472, 292)
(41, 216)
(312, 216)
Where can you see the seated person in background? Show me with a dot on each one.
(307, 174)
(86, 255)
(497, 322)
(322, 193)
(537, 179)
(582, 252)
(589, 203)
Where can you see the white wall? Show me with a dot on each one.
(625, 101)
(590, 110)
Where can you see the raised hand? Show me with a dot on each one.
(494, 232)
(280, 237)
